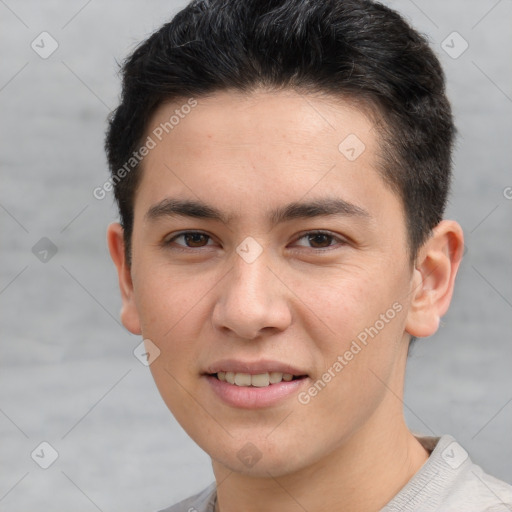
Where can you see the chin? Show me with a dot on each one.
(259, 458)
(259, 468)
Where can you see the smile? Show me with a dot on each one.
(260, 380)
(255, 391)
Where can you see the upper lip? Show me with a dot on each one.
(253, 367)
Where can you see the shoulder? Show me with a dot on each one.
(475, 490)
(201, 502)
(450, 482)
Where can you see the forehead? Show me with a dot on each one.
(262, 148)
(267, 118)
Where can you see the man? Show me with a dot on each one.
(281, 169)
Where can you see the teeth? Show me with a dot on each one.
(242, 379)
(275, 377)
(261, 380)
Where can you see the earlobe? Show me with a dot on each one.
(129, 313)
(434, 278)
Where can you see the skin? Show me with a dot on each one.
(302, 301)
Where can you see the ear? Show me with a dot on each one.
(129, 313)
(434, 277)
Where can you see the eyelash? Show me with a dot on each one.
(341, 241)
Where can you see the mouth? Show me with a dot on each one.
(259, 380)
(253, 385)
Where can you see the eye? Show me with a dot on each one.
(191, 239)
(196, 239)
(321, 239)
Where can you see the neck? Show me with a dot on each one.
(363, 474)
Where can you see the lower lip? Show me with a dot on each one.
(251, 397)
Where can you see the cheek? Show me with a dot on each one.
(173, 314)
(346, 303)
(166, 297)
(359, 321)
(355, 368)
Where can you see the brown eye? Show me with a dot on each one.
(320, 240)
(195, 239)
(191, 239)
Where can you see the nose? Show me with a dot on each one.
(252, 301)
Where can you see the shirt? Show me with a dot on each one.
(447, 482)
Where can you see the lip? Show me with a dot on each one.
(253, 367)
(249, 397)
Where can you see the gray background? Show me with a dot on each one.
(68, 375)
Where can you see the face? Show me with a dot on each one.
(295, 267)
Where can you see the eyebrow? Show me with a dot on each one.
(174, 207)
